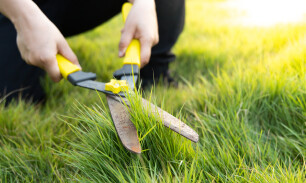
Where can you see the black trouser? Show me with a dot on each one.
(73, 17)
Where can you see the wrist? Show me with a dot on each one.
(24, 14)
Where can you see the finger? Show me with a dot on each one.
(51, 67)
(145, 52)
(156, 40)
(127, 35)
(65, 50)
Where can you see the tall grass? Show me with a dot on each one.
(241, 88)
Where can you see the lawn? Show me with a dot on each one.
(242, 88)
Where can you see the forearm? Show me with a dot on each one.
(20, 12)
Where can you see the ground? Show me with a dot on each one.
(242, 88)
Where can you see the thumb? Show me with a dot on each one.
(126, 37)
(65, 50)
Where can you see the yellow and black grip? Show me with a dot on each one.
(72, 72)
(131, 60)
(132, 54)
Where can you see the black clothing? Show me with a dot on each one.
(73, 17)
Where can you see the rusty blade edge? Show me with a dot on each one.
(124, 127)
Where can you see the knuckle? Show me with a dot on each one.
(56, 77)
(75, 58)
(39, 59)
(144, 42)
(26, 58)
(153, 37)
(32, 59)
(123, 30)
(122, 44)
(148, 39)
(156, 41)
(44, 58)
(146, 58)
(145, 62)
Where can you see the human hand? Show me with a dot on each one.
(39, 41)
(140, 24)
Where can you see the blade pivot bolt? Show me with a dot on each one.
(116, 86)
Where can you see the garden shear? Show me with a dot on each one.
(116, 91)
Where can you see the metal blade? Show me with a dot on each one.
(124, 127)
(131, 80)
(96, 85)
(172, 122)
(168, 120)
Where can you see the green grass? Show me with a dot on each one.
(241, 88)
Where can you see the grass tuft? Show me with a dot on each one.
(241, 88)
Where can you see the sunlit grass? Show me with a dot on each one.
(241, 88)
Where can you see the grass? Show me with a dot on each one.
(245, 97)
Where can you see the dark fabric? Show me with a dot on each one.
(73, 17)
(15, 74)
(171, 18)
(76, 16)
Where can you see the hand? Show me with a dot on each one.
(140, 24)
(39, 41)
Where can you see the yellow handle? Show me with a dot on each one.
(132, 54)
(65, 66)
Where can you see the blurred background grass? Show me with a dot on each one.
(242, 88)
